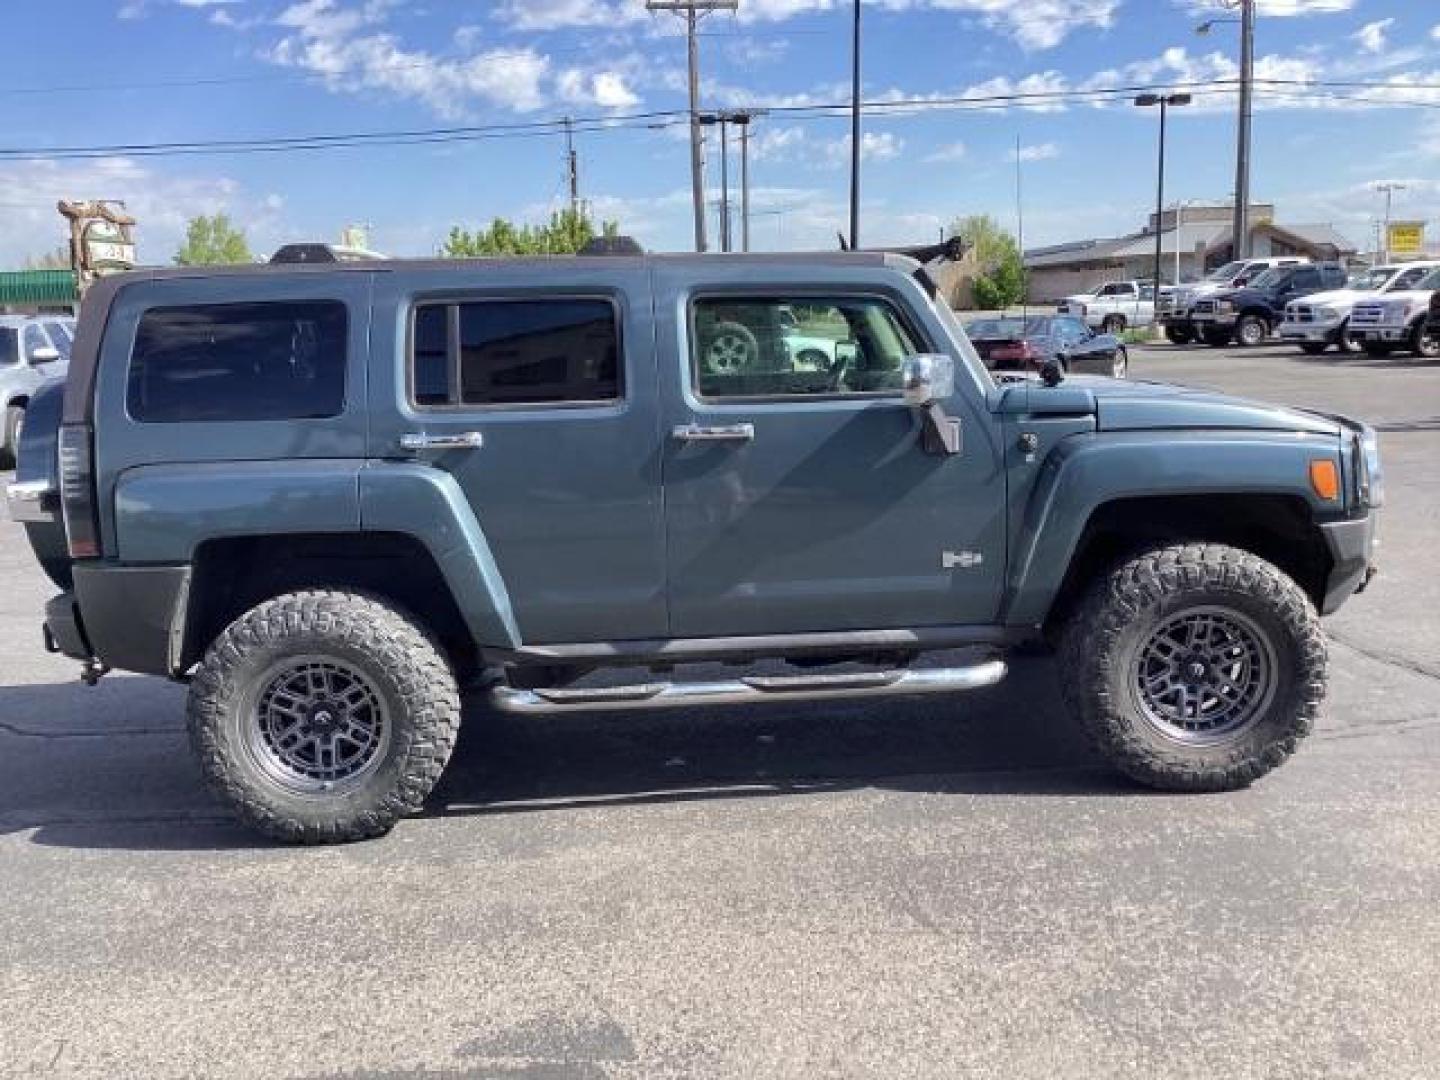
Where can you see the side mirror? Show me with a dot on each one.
(46, 354)
(927, 378)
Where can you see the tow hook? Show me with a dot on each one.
(93, 671)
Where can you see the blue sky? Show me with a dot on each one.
(168, 70)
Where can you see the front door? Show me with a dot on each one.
(798, 494)
(559, 383)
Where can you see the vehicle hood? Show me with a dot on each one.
(1414, 297)
(1345, 297)
(1131, 405)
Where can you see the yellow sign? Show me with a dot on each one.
(1406, 238)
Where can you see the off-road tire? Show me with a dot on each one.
(1250, 331)
(10, 438)
(401, 660)
(1178, 336)
(1113, 324)
(1124, 607)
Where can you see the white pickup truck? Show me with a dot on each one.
(1397, 320)
(1114, 307)
(1322, 319)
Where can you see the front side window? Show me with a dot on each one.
(9, 346)
(253, 361)
(516, 352)
(745, 347)
(1305, 279)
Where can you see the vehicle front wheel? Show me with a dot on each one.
(1251, 331)
(1113, 324)
(1196, 667)
(10, 447)
(1423, 343)
(321, 717)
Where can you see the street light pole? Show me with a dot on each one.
(1164, 101)
(855, 132)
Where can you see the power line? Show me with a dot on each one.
(664, 118)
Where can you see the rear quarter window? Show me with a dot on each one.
(236, 362)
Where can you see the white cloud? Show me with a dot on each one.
(348, 46)
(1371, 36)
(1045, 151)
(161, 202)
(1274, 9)
(555, 14)
(874, 146)
(1435, 32)
(955, 151)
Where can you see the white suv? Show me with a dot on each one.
(1323, 319)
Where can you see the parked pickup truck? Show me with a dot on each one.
(1250, 315)
(1397, 321)
(1113, 308)
(329, 496)
(1176, 305)
(1323, 319)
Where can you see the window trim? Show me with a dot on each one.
(346, 358)
(781, 294)
(452, 353)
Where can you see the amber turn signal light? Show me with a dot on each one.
(1325, 479)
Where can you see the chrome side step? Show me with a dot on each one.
(757, 688)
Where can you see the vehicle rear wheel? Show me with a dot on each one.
(1423, 343)
(1313, 348)
(1196, 667)
(1179, 335)
(321, 717)
(1250, 331)
(732, 348)
(1113, 324)
(1378, 349)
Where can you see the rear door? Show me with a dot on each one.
(551, 365)
(798, 494)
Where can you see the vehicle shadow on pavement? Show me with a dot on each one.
(124, 778)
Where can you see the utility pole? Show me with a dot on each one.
(743, 120)
(855, 132)
(1389, 191)
(572, 169)
(1241, 229)
(693, 10)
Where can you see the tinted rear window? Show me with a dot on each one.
(217, 362)
(517, 352)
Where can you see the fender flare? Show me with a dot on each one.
(1086, 472)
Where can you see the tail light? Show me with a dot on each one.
(1019, 350)
(77, 491)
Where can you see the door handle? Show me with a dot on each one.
(459, 440)
(717, 433)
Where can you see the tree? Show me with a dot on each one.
(1001, 280)
(213, 241)
(59, 259)
(565, 234)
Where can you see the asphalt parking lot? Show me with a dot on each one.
(914, 889)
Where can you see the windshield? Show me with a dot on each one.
(9, 345)
(1430, 282)
(1226, 272)
(1369, 280)
(1008, 328)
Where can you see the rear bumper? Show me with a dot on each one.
(1352, 553)
(131, 618)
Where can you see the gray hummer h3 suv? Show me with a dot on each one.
(329, 497)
